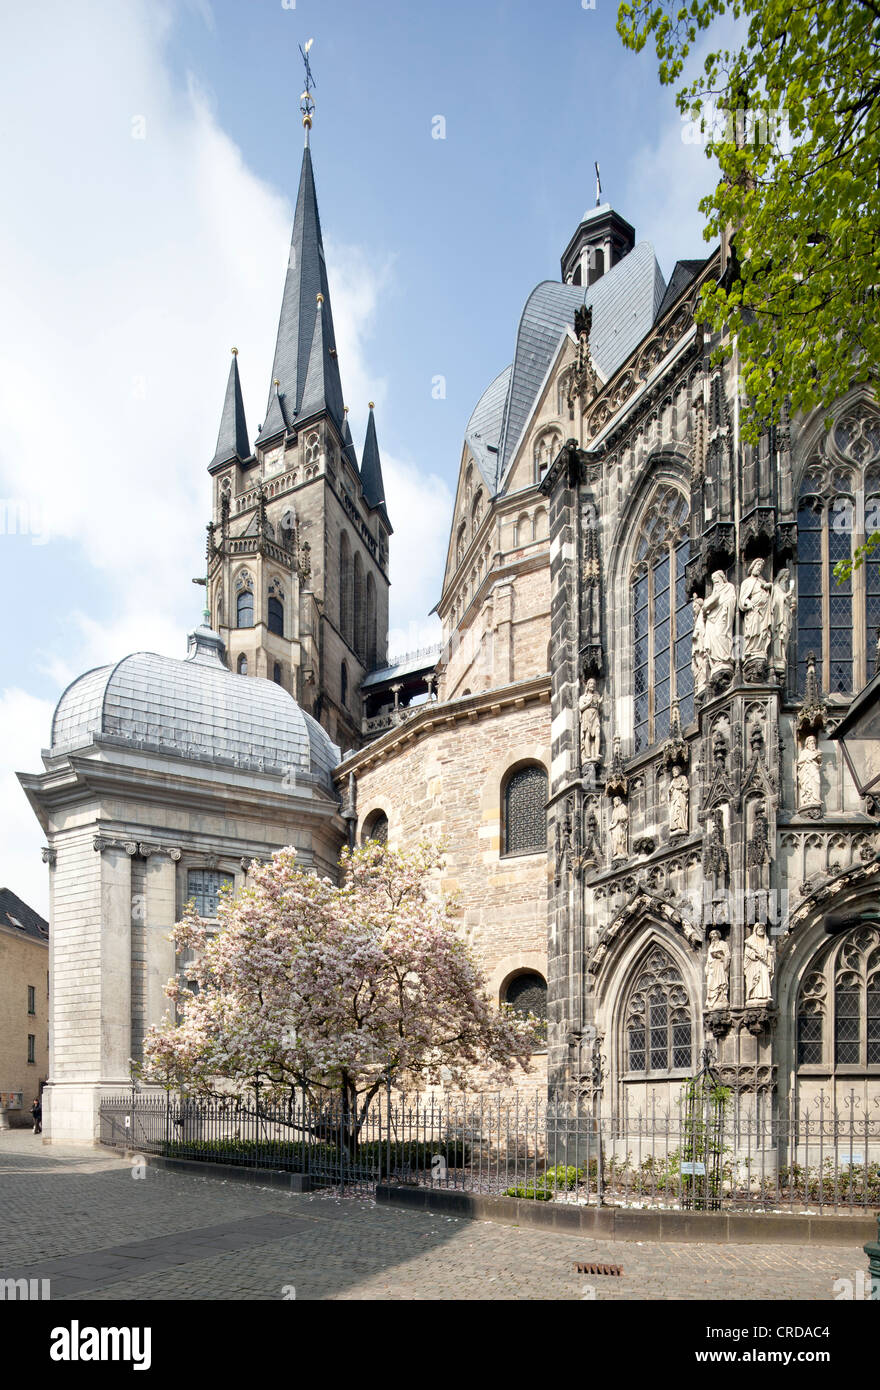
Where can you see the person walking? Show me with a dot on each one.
(37, 1112)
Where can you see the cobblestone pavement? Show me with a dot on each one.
(78, 1218)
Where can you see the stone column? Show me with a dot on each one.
(115, 962)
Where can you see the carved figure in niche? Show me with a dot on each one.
(699, 655)
(717, 972)
(759, 965)
(784, 604)
(809, 774)
(679, 794)
(590, 705)
(718, 611)
(619, 828)
(755, 601)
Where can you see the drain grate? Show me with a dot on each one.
(599, 1269)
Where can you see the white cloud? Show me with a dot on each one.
(25, 721)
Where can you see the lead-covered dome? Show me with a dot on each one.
(195, 709)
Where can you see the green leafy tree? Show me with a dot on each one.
(792, 119)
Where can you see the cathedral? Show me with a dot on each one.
(622, 740)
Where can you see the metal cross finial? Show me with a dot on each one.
(307, 105)
(598, 185)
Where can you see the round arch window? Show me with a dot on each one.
(527, 994)
(376, 828)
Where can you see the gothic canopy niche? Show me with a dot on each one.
(642, 909)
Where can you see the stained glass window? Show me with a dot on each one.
(840, 1001)
(662, 620)
(525, 816)
(658, 1020)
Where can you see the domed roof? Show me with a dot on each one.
(195, 709)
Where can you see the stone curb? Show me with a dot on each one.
(229, 1172)
(617, 1223)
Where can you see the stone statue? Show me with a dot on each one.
(699, 655)
(783, 606)
(759, 963)
(809, 774)
(755, 601)
(590, 705)
(619, 829)
(717, 972)
(679, 793)
(718, 611)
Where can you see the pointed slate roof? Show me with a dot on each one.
(371, 471)
(348, 443)
(682, 275)
(305, 365)
(232, 441)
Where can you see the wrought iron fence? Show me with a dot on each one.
(703, 1153)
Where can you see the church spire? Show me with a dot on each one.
(371, 471)
(232, 441)
(305, 372)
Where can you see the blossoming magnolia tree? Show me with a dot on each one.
(330, 990)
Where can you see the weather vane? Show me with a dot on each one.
(307, 105)
(598, 186)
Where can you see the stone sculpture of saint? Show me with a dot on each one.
(783, 610)
(619, 828)
(718, 611)
(755, 601)
(759, 963)
(717, 972)
(679, 793)
(809, 773)
(589, 706)
(699, 655)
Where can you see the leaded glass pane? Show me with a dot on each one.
(846, 1025)
(525, 820)
(809, 1045)
(204, 885)
(658, 1025)
(874, 1023)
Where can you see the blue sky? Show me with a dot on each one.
(153, 151)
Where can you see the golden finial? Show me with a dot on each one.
(319, 297)
(345, 409)
(235, 352)
(372, 405)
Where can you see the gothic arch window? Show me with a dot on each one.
(244, 609)
(838, 1010)
(313, 449)
(526, 993)
(546, 448)
(662, 619)
(346, 596)
(468, 484)
(838, 507)
(276, 615)
(477, 512)
(524, 816)
(659, 1019)
(242, 665)
(372, 634)
(460, 543)
(276, 673)
(359, 607)
(376, 828)
(343, 684)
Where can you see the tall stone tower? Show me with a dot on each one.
(298, 544)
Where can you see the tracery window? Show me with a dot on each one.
(525, 815)
(662, 619)
(313, 449)
(838, 1012)
(659, 1029)
(839, 506)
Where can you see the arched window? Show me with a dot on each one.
(839, 506)
(838, 1012)
(477, 511)
(526, 993)
(276, 616)
(346, 597)
(312, 449)
(525, 814)
(343, 684)
(357, 641)
(662, 619)
(460, 543)
(546, 448)
(376, 828)
(244, 602)
(659, 1030)
(242, 665)
(372, 641)
(276, 673)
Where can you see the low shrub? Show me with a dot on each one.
(535, 1194)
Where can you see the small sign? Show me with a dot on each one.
(697, 1169)
(853, 1158)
